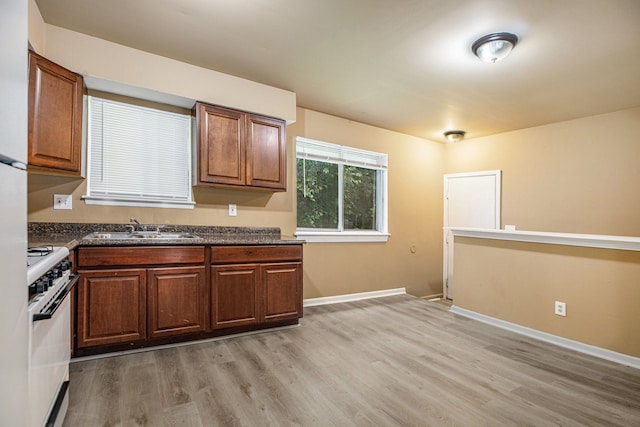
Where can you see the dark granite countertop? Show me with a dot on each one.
(72, 235)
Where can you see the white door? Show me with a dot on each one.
(470, 200)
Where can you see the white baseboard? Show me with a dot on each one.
(310, 302)
(600, 352)
(433, 297)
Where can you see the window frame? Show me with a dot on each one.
(344, 156)
(148, 201)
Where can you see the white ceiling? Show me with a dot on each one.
(404, 65)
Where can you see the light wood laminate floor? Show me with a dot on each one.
(395, 361)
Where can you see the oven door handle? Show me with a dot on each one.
(58, 301)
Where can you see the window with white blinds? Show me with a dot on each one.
(341, 193)
(138, 156)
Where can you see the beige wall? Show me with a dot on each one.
(254, 208)
(415, 212)
(415, 216)
(576, 176)
(579, 176)
(519, 282)
(415, 177)
(37, 28)
(160, 76)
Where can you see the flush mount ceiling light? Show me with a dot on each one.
(454, 135)
(494, 47)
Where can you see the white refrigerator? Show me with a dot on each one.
(13, 212)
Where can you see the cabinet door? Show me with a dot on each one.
(221, 145)
(236, 295)
(266, 154)
(282, 290)
(176, 301)
(111, 307)
(55, 117)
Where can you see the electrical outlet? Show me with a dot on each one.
(560, 308)
(233, 210)
(62, 201)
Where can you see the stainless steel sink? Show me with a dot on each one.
(140, 235)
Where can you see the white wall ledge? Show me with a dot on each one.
(625, 243)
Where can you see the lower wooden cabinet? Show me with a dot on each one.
(282, 287)
(247, 294)
(127, 296)
(247, 288)
(140, 296)
(236, 293)
(111, 307)
(176, 301)
(116, 306)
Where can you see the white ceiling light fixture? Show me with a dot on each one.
(494, 47)
(454, 135)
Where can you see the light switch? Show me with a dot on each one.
(233, 210)
(62, 201)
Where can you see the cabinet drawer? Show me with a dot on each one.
(243, 254)
(139, 255)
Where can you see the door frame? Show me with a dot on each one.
(447, 237)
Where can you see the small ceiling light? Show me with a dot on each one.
(454, 135)
(494, 47)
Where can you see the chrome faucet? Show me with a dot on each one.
(142, 227)
(132, 228)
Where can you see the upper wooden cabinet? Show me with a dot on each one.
(55, 117)
(221, 145)
(239, 150)
(266, 152)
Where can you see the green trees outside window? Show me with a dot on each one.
(320, 186)
(317, 187)
(359, 203)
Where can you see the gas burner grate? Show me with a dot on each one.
(40, 251)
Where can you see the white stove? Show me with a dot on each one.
(50, 281)
(40, 260)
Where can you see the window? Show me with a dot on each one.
(138, 156)
(341, 192)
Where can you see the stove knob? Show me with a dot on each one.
(46, 282)
(64, 265)
(55, 273)
(40, 286)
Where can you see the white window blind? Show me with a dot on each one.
(138, 156)
(332, 153)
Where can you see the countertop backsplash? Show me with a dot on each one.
(72, 235)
